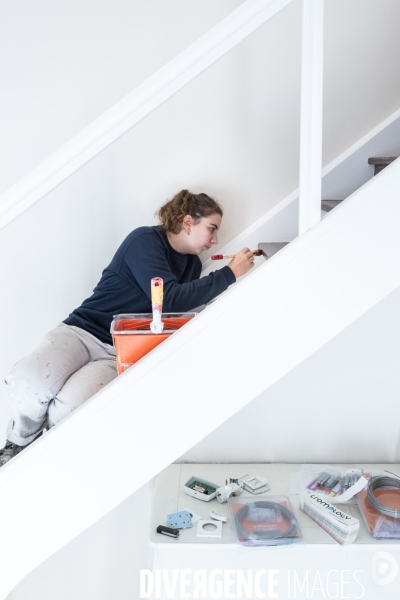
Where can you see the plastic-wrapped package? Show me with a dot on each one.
(338, 524)
(267, 522)
(379, 525)
(336, 484)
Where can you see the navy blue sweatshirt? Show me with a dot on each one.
(125, 285)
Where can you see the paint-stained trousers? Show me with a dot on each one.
(69, 366)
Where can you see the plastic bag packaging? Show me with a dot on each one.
(380, 526)
(267, 522)
(331, 482)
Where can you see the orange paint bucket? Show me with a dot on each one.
(133, 338)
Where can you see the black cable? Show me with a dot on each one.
(263, 534)
(380, 482)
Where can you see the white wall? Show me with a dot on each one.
(352, 172)
(302, 418)
(103, 563)
(62, 65)
(361, 69)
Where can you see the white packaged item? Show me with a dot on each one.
(255, 484)
(338, 524)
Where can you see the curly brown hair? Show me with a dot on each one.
(172, 212)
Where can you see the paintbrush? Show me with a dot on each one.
(222, 256)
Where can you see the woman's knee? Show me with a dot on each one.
(41, 374)
(25, 394)
(81, 386)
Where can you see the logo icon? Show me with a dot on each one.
(384, 568)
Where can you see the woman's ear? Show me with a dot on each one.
(187, 223)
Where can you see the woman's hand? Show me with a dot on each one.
(242, 263)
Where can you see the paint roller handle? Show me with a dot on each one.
(157, 296)
(242, 263)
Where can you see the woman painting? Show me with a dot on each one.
(77, 359)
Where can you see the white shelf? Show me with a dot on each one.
(169, 497)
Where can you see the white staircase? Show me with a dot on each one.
(253, 335)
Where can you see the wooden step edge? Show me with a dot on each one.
(271, 248)
(382, 160)
(328, 205)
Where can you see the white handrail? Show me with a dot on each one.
(136, 106)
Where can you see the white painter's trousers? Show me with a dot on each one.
(69, 366)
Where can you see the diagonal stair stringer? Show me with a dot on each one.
(242, 344)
